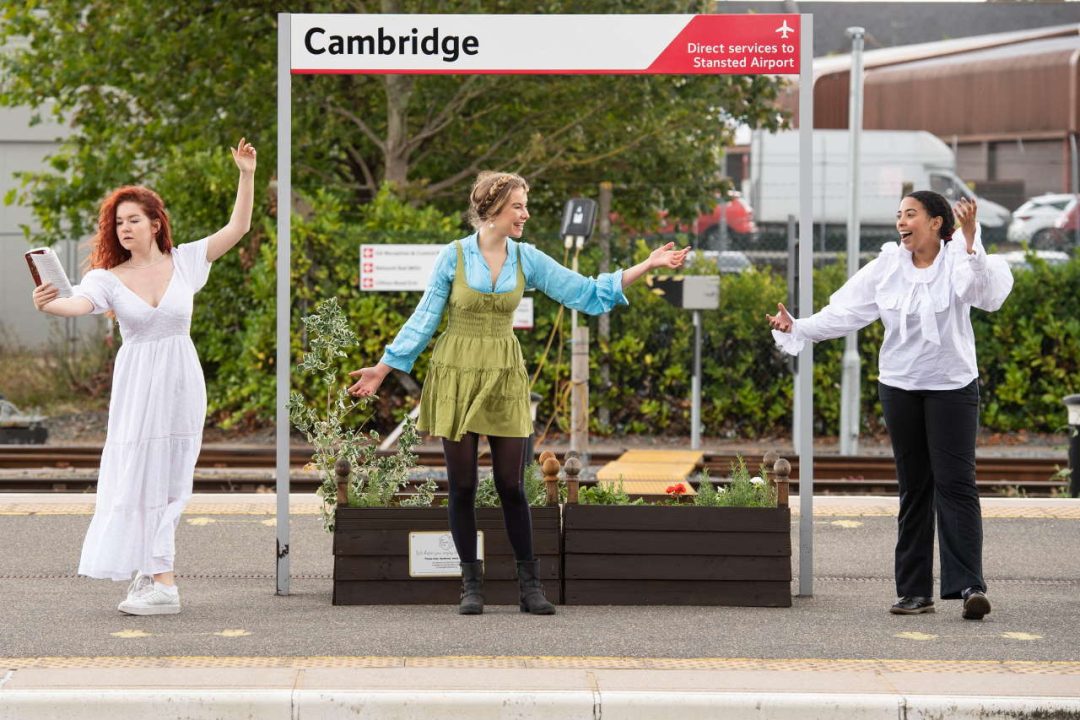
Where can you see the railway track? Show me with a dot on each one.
(223, 468)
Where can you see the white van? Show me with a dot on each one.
(892, 163)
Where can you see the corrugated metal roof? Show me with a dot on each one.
(923, 51)
(1020, 84)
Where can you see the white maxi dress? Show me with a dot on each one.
(156, 417)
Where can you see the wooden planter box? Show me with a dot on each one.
(676, 555)
(371, 563)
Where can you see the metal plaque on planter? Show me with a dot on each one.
(432, 554)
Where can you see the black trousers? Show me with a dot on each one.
(933, 438)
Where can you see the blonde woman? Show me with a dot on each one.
(477, 383)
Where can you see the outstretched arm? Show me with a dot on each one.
(240, 222)
(46, 299)
(664, 256)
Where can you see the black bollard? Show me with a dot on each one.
(1072, 402)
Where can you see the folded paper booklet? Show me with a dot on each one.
(46, 267)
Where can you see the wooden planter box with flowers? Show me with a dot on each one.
(680, 554)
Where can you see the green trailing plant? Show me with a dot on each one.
(335, 431)
(424, 495)
(707, 494)
(745, 491)
(487, 496)
(606, 494)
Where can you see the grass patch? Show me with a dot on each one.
(55, 380)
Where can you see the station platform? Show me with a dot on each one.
(238, 650)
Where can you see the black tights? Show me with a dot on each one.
(508, 463)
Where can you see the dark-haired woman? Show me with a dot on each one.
(158, 401)
(477, 383)
(923, 289)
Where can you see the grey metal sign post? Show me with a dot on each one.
(542, 45)
(284, 299)
(696, 293)
(804, 388)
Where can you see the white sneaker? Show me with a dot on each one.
(158, 599)
(140, 584)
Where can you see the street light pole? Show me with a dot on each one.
(850, 381)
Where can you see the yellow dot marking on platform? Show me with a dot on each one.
(270, 522)
(1020, 636)
(913, 635)
(128, 634)
(846, 523)
(232, 633)
(200, 521)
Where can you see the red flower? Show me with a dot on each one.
(676, 489)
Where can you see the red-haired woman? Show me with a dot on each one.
(158, 402)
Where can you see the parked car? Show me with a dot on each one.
(1064, 233)
(728, 261)
(1033, 222)
(1018, 259)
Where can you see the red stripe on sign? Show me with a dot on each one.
(414, 71)
(733, 45)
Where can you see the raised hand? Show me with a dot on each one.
(244, 156)
(668, 256)
(782, 320)
(964, 212)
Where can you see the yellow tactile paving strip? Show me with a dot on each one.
(962, 667)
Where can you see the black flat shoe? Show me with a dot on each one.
(975, 605)
(913, 605)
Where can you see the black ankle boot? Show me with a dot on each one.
(532, 593)
(472, 588)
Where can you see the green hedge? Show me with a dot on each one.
(1029, 352)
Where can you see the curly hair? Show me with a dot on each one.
(106, 251)
(936, 206)
(489, 194)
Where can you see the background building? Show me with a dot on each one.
(998, 82)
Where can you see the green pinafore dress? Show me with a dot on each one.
(477, 380)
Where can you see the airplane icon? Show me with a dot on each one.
(784, 30)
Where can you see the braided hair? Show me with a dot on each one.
(937, 206)
(489, 194)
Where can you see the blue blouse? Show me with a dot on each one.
(592, 296)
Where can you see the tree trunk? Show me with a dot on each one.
(398, 92)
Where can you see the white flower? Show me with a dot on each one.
(757, 480)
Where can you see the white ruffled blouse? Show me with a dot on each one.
(929, 343)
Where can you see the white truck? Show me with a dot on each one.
(892, 163)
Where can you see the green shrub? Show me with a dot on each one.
(1029, 351)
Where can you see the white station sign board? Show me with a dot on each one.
(546, 44)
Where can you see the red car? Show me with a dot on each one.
(736, 212)
(1067, 222)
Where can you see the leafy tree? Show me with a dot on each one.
(155, 90)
